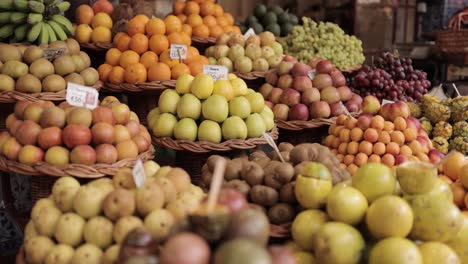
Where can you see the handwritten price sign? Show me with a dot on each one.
(79, 95)
(178, 52)
(138, 172)
(249, 33)
(218, 72)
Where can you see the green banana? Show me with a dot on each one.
(36, 7)
(21, 5)
(21, 31)
(34, 32)
(61, 35)
(6, 5)
(34, 18)
(5, 17)
(6, 31)
(44, 35)
(18, 18)
(52, 35)
(63, 6)
(64, 23)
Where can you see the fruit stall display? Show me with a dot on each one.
(42, 72)
(44, 139)
(445, 121)
(249, 58)
(38, 22)
(386, 134)
(270, 19)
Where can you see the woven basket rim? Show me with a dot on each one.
(253, 75)
(201, 40)
(139, 87)
(297, 125)
(205, 147)
(280, 231)
(76, 170)
(96, 46)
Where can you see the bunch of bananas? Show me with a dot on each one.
(39, 21)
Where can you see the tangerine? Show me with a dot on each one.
(192, 55)
(116, 75)
(148, 58)
(195, 67)
(186, 28)
(201, 31)
(186, 39)
(155, 26)
(182, 18)
(104, 70)
(128, 58)
(222, 21)
(165, 58)
(113, 56)
(175, 38)
(191, 7)
(178, 7)
(136, 25)
(123, 42)
(139, 43)
(159, 72)
(173, 24)
(218, 10)
(103, 6)
(178, 70)
(102, 19)
(207, 9)
(135, 73)
(194, 20)
(216, 31)
(101, 34)
(158, 43)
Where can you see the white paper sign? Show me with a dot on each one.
(384, 102)
(178, 52)
(249, 33)
(218, 72)
(345, 109)
(79, 95)
(138, 172)
(311, 74)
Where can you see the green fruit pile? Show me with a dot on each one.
(323, 40)
(87, 223)
(256, 53)
(34, 21)
(379, 216)
(273, 19)
(202, 109)
(34, 69)
(269, 183)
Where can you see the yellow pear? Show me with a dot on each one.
(202, 86)
(183, 83)
(239, 87)
(224, 88)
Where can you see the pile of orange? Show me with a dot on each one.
(93, 25)
(142, 53)
(454, 170)
(204, 18)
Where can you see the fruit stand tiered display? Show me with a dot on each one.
(276, 142)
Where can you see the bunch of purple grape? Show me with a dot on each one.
(393, 78)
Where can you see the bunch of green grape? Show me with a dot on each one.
(323, 40)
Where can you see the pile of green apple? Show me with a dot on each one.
(87, 223)
(256, 53)
(202, 109)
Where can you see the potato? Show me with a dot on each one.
(252, 173)
(263, 195)
(272, 181)
(233, 169)
(258, 154)
(263, 162)
(281, 213)
(285, 146)
(287, 193)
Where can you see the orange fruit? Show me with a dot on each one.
(178, 70)
(203, 60)
(222, 21)
(218, 10)
(123, 42)
(165, 58)
(139, 43)
(192, 55)
(102, 20)
(216, 31)
(236, 29)
(118, 35)
(207, 9)
(142, 17)
(101, 34)
(229, 18)
(173, 24)
(458, 194)
(136, 25)
(182, 18)
(195, 67)
(155, 26)
(175, 38)
(453, 164)
(158, 43)
(191, 7)
(116, 75)
(159, 72)
(135, 73)
(186, 39)
(178, 7)
(113, 56)
(104, 70)
(128, 58)
(186, 28)
(148, 58)
(103, 6)
(84, 14)
(199, 1)
(83, 33)
(209, 21)
(194, 20)
(201, 31)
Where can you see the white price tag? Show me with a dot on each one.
(218, 72)
(79, 95)
(139, 175)
(178, 52)
(345, 109)
(384, 102)
(311, 74)
(249, 33)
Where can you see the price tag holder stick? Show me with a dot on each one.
(272, 144)
(456, 90)
(216, 183)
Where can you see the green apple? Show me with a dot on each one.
(189, 106)
(257, 102)
(277, 48)
(239, 86)
(215, 108)
(186, 129)
(152, 116)
(250, 90)
(268, 111)
(255, 125)
(226, 62)
(168, 101)
(239, 106)
(212, 61)
(183, 83)
(268, 120)
(164, 126)
(202, 86)
(224, 88)
(209, 131)
(234, 128)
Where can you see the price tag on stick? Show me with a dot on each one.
(248, 33)
(178, 52)
(384, 102)
(311, 74)
(51, 54)
(79, 95)
(218, 72)
(345, 109)
(216, 183)
(139, 175)
(272, 144)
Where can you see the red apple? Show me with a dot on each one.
(289, 58)
(338, 78)
(352, 107)
(301, 83)
(103, 114)
(232, 199)
(314, 61)
(272, 78)
(285, 81)
(435, 156)
(399, 109)
(269, 104)
(74, 135)
(103, 133)
(364, 121)
(400, 158)
(275, 95)
(265, 90)
(49, 137)
(141, 143)
(281, 111)
(310, 95)
(290, 97)
(337, 109)
(28, 132)
(83, 154)
(284, 67)
(299, 112)
(385, 111)
(324, 66)
(322, 80)
(320, 109)
(300, 69)
(106, 153)
(412, 122)
(133, 127)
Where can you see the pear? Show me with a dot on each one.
(41, 203)
(37, 248)
(148, 198)
(60, 254)
(104, 184)
(119, 203)
(46, 220)
(64, 191)
(87, 253)
(98, 231)
(30, 231)
(88, 201)
(124, 225)
(159, 223)
(69, 229)
(111, 255)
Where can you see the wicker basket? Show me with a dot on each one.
(5, 110)
(298, 125)
(139, 87)
(142, 103)
(202, 43)
(453, 42)
(100, 46)
(252, 75)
